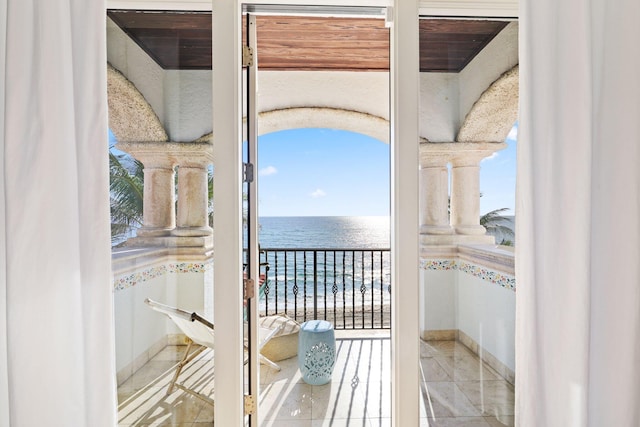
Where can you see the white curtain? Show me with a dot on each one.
(57, 349)
(578, 210)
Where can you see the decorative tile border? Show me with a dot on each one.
(504, 280)
(151, 273)
(507, 281)
(438, 264)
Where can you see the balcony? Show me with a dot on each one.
(457, 389)
(467, 311)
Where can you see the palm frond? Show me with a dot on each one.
(126, 191)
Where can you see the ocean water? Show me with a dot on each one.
(339, 265)
(344, 232)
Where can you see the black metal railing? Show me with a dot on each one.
(351, 288)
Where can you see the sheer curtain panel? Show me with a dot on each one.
(55, 284)
(578, 210)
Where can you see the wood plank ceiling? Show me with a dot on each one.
(182, 40)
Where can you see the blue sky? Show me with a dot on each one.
(307, 172)
(322, 172)
(498, 178)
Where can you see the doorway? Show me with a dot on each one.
(231, 157)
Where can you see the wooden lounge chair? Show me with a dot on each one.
(200, 331)
(197, 330)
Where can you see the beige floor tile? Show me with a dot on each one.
(287, 423)
(431, 370)
(337, 422)
(378, 399)
(206, 415)
(446, 400)
(380, 422)
(455, 422)
(171, 353)
(358, 395)
(286, 401)
(153, 373)
(339, 400)
(157, 409)
(501, 421)
(289, 372)
(493, 398)
(466, 368)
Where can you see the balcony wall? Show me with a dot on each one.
(468, 294)
(155, 274)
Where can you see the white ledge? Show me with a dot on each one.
(497, 257)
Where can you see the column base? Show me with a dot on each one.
(153, 231)
(171, 241)
(473, 230)
(192, 231)
(436, 229)
(456, 239)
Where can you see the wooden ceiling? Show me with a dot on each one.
(182, 40)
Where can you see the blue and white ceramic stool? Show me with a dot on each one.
(316, 351)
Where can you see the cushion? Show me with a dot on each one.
(284, 343)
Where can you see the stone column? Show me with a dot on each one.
(434, 194)
(158, 202)
(465, 195)
(159, 210)
(193, 218)
(465, 185)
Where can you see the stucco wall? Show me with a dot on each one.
(128, 58)
(439, 106)
(188, 104)
(495, 59)
(364, 92)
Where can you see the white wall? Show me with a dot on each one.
(187, 104)
(438, 300)
(366, 92)
(452, 299)
(138, 328)
(140, 331)
(486, 313)
(439, 106)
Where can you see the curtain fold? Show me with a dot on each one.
(578, 210)
(4, 371)
(58, 301)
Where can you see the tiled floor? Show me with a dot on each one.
(457, 390)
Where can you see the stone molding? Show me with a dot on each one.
(495, 112)
(150, 153)
(318, 117)
(462, 153)
(131, 118)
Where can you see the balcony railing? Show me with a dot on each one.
(351, 288)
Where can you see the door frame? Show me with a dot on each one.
(404, 140)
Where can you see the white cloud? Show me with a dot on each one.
(491, 157)
(269, 170)
(318, 193)
(513, 133)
